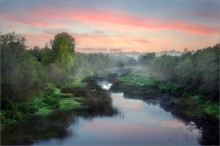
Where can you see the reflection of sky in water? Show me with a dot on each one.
(139, 123)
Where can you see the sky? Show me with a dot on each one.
(128, 25)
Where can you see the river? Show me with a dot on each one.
(136, 123)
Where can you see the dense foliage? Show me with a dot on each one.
(26, 74)
(63, 47)
(21, 74)
(197, 73)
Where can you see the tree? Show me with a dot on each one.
(63, 50)
(12, 40)
(206, 67)
(147, 58)
(184, 71)
(36, 52)
(21, 74)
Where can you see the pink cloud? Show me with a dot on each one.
(87, 40)
(129, 42)
(50, 16)
(29, 20)
(39, 37)
(122, 18)
(37, 40)
(127, 30)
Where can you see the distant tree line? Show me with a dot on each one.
(197, 72)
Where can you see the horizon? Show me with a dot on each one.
(129, 26)
(121, 51)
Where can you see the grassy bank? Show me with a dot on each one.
(51, 112)
(44, 103)
(186, 103)
(86, 96)
(195, 106)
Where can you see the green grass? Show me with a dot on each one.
(48, 103)
(166, 86)
(195, 106)
(44, 111)
(64, 104)
(138, 79)
(74, 83)
(69, 103)
(212, 109)
(42, 104)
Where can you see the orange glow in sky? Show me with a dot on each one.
(142, 26)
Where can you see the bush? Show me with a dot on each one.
(51, 96)
(28, 108)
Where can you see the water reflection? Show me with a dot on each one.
(137, 121)
(207, 127)
(56, 125)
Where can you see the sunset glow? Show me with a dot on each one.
(142, 26)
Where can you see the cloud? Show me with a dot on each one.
(96, 40)
(99, 32)
(89, 40)
(28, 20)
(54, 31)
(143, 41)
(53, 17)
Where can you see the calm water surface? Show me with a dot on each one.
(137, 123)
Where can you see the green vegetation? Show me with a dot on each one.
(63, 47)
(21, 74)
(186, 103)
(192, 78)
(69, 103)
(139, 79)
(29, 78)
(194, 106)
(197, 73)
(43, 104)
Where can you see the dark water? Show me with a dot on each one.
(137, 123)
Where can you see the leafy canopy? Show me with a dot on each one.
(63, 48)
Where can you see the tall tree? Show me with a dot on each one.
(63, 50)
(21, 73)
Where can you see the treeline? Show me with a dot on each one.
(197, 73)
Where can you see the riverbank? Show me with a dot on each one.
(147, 87)
(86, 99)
(42, 104)
(81, 95)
